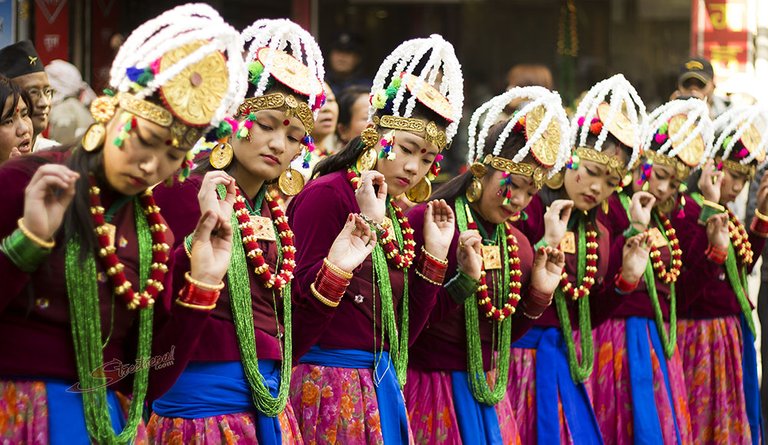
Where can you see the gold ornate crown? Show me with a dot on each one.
(613, 163)
(279, 101)
(428, 130)
(536, 172)
(546, 148)
(750, 139)
(735, 166)
(682, 171)
(691, 154)
(429, 96)
(620, 125)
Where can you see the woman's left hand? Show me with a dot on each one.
(635, 257)
(439, 228)
(547, 269)
(762, 195)
(211, 248)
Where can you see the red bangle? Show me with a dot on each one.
(330, 285)
(431, 269)
(716, 255)
(623, 285)
(536, 303)
(197, 298)
(759, 227)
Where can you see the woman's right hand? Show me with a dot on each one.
(717, 231)
(47, 197)
(709, 182)
(556, 221)
(469, 255)
(373, 205)
(208, 196)
(353, 245)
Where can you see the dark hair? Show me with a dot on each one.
(346, 101)
(346, 158)
(458, 185)
(10, 89)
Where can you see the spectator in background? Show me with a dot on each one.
(324, 132)
(345, 67)
(353, 113)
(20, 63)
(69, 117)
(526, 75)
(15, 122)
(696, 79)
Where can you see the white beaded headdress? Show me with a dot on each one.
(548, 141)
(622, 116)
(286, 36)
(175, 28)
(437, 72)
(747, 127)
(680, 128)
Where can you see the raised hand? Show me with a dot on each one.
(439, 225)
(717, 231)
(211, 248)
(547, 269)
(640, 209)
(468, 255)
(46, 198)
(710, 181)
(635, 257)
(208, 196)
(353, 245)
(556, 221)
(372, 204)
(762, 195)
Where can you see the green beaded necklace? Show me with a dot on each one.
(580, 371)
(668, 338)
(737, 277)
(398, 339)
(501, 347)
(83, 291)
(239, 288)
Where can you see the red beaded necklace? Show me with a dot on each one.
(255, 254)
(394, 256)
(115, 269)
(739, 239)
(591, 270)
(674, 246)
(515, 275)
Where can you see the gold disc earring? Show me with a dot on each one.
(290, 182)
(474, 191)
(421, 191)
(221, 155)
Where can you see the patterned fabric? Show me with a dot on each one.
(429, 398)
(711, 350)
(24, 413)
(336, 405)
(521, 393)
(227, 429)
(611, 391)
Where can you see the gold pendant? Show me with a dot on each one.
(568, 243)
(94, 137)
(221, 156)
(111, 232)
(657, 239)
(290, 182)
(263, 228)
(491, 257)
(367, 160)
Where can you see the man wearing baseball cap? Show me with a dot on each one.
(23, 66)
(696, 79)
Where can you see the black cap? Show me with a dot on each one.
(19, 59)
(696, 68)
(348, 42)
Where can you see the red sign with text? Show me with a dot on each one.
(52, 29)
(719, 32)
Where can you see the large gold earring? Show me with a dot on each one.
(102, 109)
(290, 182)
(367, 159)
(421, 191)
(556, 182)
(221, 155)
(606, 206)
(666, 206)
(475, 190)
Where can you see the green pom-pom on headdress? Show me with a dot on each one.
(255, 69)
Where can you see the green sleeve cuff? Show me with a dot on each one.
(542, 243)
(631, 231)
(706, 213)
(23, 252)
(461, 287)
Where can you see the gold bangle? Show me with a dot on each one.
(713, 205)
(434, 258)
(428, 280)
(195, 306)
(339, 271)
(322, 299)
(201, 285)
(34, 238)
(761, 216)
